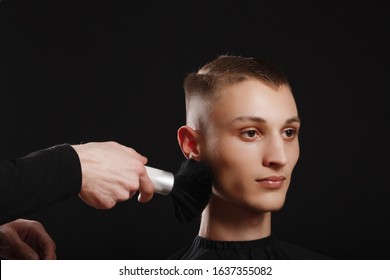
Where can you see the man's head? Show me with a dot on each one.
(243, 122)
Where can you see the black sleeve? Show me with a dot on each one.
(37, 181)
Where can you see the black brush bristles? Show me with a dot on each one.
(191, 190)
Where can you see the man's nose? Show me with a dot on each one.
(275, 152)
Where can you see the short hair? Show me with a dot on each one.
(227, 70)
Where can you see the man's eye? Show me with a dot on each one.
(250, 134)
(290, 133)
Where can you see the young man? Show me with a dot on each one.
(242, 121)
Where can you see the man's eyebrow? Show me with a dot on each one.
(295, 119)
(291, 120)
(249, 118)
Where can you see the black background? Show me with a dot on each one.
(81, 71)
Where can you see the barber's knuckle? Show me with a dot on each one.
(139, 168)
(133, 184)
(36, 224)
(123, 196)
(110, 203)
(112, 144)
(106, 203)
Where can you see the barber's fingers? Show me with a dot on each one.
(20, 249)
(7, 254)
(121, 187)
(139, 181)
(12, 254)
(47, 246)
(146, 188)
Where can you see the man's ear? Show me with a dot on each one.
(188, 140)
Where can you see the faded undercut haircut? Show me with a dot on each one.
(228, 70)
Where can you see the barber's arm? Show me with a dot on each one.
(102, 173)
(38, 180)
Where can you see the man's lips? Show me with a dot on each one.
(271, 181)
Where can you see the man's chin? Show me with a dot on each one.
(272, 206)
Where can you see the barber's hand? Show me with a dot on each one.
(26, 239)
(112, 173)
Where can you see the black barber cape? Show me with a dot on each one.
(268, 248)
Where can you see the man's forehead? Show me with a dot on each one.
(259, 119)
(249, 98)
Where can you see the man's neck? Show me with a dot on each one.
(224, 221)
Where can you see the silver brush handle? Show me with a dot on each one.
(162, 180)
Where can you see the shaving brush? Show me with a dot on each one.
(190, 189)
